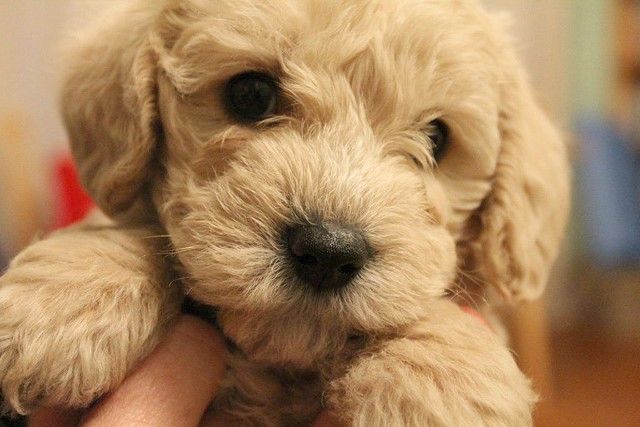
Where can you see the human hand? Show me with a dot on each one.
(172, 387)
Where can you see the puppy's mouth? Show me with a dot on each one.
(326, 256)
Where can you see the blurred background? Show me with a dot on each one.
(581, 343)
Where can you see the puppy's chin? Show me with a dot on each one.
(284, 341)
(315, 328)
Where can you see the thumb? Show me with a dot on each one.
(173, 386)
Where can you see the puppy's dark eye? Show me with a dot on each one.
(438, 132)
(251, 97)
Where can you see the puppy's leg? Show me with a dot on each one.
(448, 370)
(78, 310)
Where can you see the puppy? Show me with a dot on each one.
(321, 173)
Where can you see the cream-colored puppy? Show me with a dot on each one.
(317, 172)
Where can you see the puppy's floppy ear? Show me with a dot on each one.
(109, 107)
(519, 226)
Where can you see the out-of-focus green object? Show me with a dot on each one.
(593, 55)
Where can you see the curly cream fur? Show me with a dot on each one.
(360, 79)
(78, 310)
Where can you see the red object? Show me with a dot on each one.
(473, 312)
(73, 202)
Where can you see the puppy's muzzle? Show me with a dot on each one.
(327, 256)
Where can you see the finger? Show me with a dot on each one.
(173, 386)
(54, 417)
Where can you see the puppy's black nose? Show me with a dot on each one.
(327, 256)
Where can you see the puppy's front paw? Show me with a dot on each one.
(446, 371)
(77, 311)
(52, 357)
(7, 350)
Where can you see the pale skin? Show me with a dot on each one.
(156, 396)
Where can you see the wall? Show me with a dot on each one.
(31, 131)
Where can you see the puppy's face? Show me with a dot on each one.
(326, 165)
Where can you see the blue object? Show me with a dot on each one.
(608, 179)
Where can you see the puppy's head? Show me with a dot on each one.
(323, 168)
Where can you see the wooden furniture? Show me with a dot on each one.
(626, 97)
